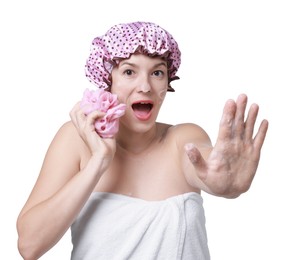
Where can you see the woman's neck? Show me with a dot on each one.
(136, 143)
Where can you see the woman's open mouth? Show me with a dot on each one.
(142, 109)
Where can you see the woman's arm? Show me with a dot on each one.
(62, 187)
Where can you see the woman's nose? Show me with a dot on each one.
(144, 85)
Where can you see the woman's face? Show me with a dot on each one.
(141, 83)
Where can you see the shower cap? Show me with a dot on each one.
(124, 39)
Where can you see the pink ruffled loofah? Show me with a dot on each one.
(106, 102)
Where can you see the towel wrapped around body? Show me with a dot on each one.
(118, 227)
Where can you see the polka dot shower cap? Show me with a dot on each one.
(121, 41)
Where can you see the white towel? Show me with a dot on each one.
(119, 227)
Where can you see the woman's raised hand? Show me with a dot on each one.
(103, 148)
(231, 166)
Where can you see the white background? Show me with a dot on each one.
(228, 47)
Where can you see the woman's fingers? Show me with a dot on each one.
(91, 118)
(197, 160)
(85, 124)
(227, 121)
(233, 123)
(239, 125)
(72, 113)
(250, 122)
(261, 134)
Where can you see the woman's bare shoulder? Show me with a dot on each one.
(67, 133)
(189, 132)
(67, 140)
(67, 128)
(189, 129)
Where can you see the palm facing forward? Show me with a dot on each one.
(231, 166)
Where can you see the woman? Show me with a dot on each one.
(137, 195)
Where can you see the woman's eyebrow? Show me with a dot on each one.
(135, 65)
(161, 64)
(127, 63)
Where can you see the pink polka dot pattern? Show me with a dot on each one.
(121, 41)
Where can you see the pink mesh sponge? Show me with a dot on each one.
(106, 102)
(121, 41)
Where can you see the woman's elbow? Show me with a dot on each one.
(26, 250)
(27, 246)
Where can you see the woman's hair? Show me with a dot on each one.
(124, 39)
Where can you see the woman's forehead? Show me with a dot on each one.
(141, 58)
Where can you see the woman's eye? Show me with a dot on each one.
(158, 73)
(128, 72)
